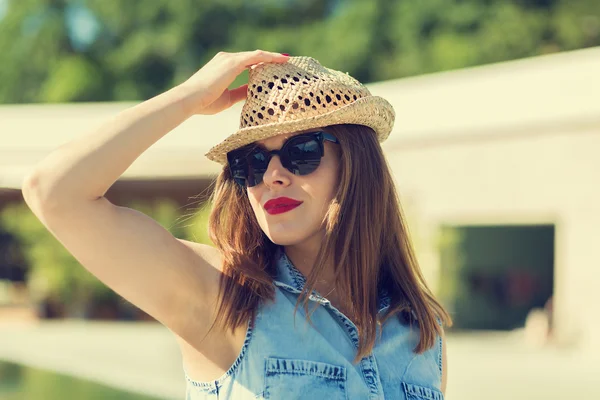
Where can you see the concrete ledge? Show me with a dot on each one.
(137, 357)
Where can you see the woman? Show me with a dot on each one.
(305, 211)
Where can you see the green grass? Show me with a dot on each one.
(24, 383)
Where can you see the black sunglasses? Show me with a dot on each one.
(300, 154)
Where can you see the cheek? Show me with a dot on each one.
(254, 197)
(327, 179)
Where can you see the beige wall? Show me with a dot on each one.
(535, 175)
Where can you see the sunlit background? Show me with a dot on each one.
(494, 151)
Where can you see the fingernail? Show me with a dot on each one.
(285, 54)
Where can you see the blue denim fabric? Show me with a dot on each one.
(286, 358)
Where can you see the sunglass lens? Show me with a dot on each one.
(305, 155)
(238, 168)
(258, 162)
(301, 155)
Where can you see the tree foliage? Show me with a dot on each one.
(54, 273)
(96, 50)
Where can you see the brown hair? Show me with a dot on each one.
(365, 231)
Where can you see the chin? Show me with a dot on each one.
(284, 240)
(285, 236)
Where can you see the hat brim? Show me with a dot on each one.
(372, 111)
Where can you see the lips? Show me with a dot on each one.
(281, 205)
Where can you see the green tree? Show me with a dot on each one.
(54, 272)
(38, 57)
(95, 50)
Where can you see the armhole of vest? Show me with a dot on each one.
(215, 385)
(440, 352)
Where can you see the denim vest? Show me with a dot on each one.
(285, 358)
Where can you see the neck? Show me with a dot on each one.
(303, 256)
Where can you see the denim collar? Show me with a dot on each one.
(288, 276)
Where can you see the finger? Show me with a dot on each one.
(256, 65)
(250, 58)
(238, 94)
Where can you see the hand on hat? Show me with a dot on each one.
(207, 90)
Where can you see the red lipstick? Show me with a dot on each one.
(281, 205)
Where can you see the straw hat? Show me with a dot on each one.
(299, 95)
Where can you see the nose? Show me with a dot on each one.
(276, 174)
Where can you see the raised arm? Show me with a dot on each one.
(173, 280)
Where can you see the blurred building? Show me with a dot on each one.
(497, 168)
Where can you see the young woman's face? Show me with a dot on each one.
(315, 192)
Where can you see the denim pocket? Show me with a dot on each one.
(416, 392)
(303, 379)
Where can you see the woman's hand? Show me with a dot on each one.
(206, 91)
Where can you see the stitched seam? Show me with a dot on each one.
(297, 276)
(440, 349)
(340, 376)
(301, 372)
(291, 289)
(215, 384)
(440, 354)
(408, 366)
(423, 392)
(264, 390)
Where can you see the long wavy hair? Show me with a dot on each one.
(365, 232)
